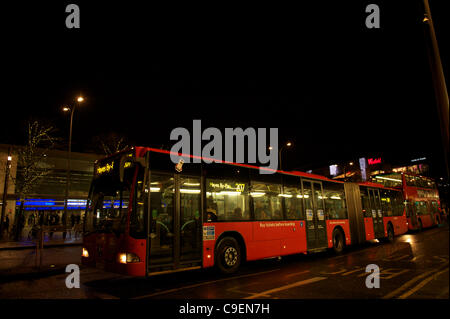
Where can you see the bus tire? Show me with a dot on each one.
(338, 241)
(228, 255)
(390, 234)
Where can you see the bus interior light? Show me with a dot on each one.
(191, 184)
(85, 253)
(257, 194)
(190, 191)
(230, 193)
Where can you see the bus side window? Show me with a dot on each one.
(365, 203)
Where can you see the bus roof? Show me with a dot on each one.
(140, 151)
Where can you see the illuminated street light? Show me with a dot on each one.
(288, 144)
(72, 110)
(5, 191)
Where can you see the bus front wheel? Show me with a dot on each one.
(228, 255)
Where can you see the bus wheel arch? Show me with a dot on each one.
(229, 242)
(338, 238)
(390, 232)
(437, 219)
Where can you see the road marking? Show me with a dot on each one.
(417, 257)
(400, 258)
(392, 274)
(295, 284)
(423, 283)
(407, 284)
(201, 284)
(334, 273)
(352, 271)
(297, 273)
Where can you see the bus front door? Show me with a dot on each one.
(175, 222)
(316, 230)
(377, 214)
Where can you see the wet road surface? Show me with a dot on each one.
(414, 266)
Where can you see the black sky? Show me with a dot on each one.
(335, 88)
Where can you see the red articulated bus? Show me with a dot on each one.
(421, 197)
(144, 217)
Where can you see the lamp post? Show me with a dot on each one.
(288, 144)
(440, 87)
(69, 155)
(5, 191)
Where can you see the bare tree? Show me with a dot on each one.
(31, 162)
(111, 143)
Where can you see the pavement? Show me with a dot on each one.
(21, 261)
(55, 241)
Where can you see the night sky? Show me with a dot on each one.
(335, 88)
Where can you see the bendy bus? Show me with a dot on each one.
(144, 217)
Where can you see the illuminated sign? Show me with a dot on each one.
(238, 187)
(373, 161)
(418, 159)
(333, 170)
(105, 169)
(362, 165)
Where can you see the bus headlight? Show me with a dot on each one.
(85, 253)
(126, 258)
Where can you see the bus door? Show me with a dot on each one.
(175, 224)
(377, 213)
(316, 230)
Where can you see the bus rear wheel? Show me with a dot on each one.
(228, 255)
(338, 241)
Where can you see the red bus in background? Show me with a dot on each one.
(421, 197)
(144, 217)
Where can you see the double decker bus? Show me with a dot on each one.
(421, 196)
(147, 216)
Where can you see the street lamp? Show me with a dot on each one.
(345, 171)
(71, 110)
(5, 191)
(288, 144)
